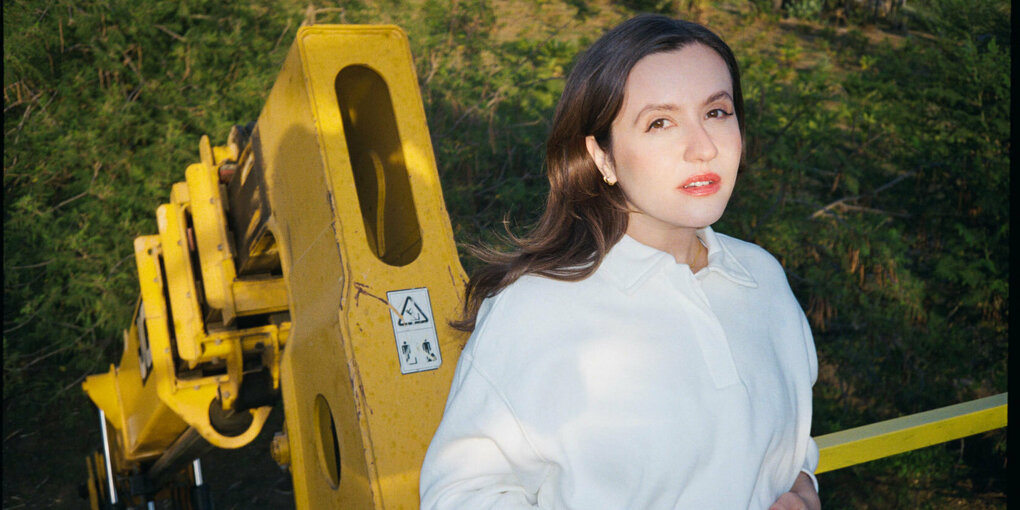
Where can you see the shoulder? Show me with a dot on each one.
(533, 310)
(757, 260)
(745, 250)
(534, 298)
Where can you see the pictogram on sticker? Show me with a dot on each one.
(411, 313)
(414, 330)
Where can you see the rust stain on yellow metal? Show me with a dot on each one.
(887, 438)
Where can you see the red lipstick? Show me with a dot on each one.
(701, 185)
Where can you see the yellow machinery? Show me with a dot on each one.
(310, 258)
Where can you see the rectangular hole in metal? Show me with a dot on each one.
(377, 160)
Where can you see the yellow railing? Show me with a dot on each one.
(890, 437)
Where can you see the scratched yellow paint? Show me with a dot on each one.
(358, 210)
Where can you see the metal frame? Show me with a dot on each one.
(887, 438)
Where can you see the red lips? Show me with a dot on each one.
(701, 185)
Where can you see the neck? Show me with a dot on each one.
(681, 242)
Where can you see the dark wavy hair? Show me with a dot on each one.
(584, 217)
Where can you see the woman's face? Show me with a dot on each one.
(675, 142)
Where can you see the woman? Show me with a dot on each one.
(627, 356)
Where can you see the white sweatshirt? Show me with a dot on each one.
(643, 386)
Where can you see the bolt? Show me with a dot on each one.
(279, 449)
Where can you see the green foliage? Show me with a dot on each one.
(658, 6)
(867, 185)
(805, 9)
(878, 173)
(963, 19)
(489, 102)
(104, 104)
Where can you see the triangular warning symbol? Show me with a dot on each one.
(411, 314)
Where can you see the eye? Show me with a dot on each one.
(658, 124)
(718, 113)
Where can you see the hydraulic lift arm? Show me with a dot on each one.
(310, 258)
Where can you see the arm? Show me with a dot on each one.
(804, 493)
(802, 496)
(479, 457)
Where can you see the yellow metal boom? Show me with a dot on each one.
(887, 438)
(311, 258)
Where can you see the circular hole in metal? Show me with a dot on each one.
(326, 439)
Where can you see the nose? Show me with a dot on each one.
(700, 146)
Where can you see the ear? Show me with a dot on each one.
(602, 160)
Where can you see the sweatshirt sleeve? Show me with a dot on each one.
(811, 458)
(811, 461)
(480, 457)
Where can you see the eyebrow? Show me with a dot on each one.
(671, 107)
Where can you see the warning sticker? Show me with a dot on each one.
(414, 329)
(411, 313)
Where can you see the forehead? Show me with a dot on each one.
(687, 75)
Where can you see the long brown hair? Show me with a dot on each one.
(584, 217)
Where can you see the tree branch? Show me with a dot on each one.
(844, 202)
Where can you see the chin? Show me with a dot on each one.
(705, 221)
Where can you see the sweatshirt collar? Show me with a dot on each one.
(629, 263)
